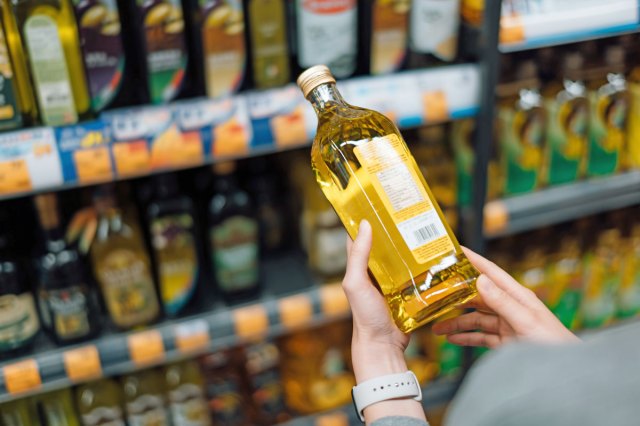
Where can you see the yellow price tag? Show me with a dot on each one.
(93, 165)
(251, 321)
(82, 363)
(132, 158)
(435, 106)
(14, 176)
(295, 310)
(146, 347)
(333, 300)
(22, 376)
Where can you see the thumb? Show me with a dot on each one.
(358, 257)
(502, 303)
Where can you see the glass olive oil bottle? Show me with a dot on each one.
(10, 109)
(145, 402)
(185, 391)
(100, 403)
(56, 409)
(49, 33)
(269, 51)
(389, 22)
(367, 172)
(16, 413)
(121, 264)
(434, 26)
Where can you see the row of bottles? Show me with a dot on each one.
(66, 60)
(588, 272)
(566, 114)
(262, 383)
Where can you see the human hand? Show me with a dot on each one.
(505, 311)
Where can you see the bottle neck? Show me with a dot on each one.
(325, 97)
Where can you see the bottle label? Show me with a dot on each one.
(269, 43)
(567, 133)
(634, 124)
(223, 45)
(388, 35)
(392, 172)
(147, 410)
(128, 288)
(166, 48)
(608, 132)
(629, 294)
(18, 320)
(188, 406)
(9, 110)
(434, 27)
(101, 42)
(174, 246)
(330, 250)
(235, 253)
(522, 136)
(602, 281)
(66, 311)
(327, 34)
(103, 416)
(49, 71)
(227, 405)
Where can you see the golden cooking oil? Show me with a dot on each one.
(367, 172)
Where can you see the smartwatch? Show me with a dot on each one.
(392, 386)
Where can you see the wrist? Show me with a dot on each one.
(372, 359)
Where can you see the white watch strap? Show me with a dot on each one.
(392, 386)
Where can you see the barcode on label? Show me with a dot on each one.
(422, 229)
(427, 233)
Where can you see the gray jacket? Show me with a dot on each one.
(592, 383)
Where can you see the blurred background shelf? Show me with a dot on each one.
(293, 300)
(559, 204)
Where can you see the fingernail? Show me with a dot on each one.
(363, 225)
(485, 285)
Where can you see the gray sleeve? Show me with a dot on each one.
(591, 383)
(399, 421)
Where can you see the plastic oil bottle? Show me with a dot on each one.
(50, 37)
(522, 126)
(366, 171)
(610, 101)
(567, 104)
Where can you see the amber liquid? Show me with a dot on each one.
(417, 292)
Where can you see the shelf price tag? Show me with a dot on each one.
(333, 300)
(338, 418)
(14, 176)
(192, 336)
(132, 158)
(251, 321)
(146, 347)
(435, 106)
(82, 363)
(93, 165)
(496, 217)
(22, 376)
(295, 310)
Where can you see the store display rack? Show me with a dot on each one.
(293, 299)
(144, 140)
(560, 204)
(567, 22)
(434, 395)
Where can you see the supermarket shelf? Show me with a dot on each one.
(434, 395)
(144, 140)
(562, 203)
(295, 301)
(563, 22)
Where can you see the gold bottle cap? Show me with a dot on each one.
(313, 77)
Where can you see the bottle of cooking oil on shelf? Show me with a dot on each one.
(367, 172)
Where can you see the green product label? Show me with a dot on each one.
(18, 321)
(9, 111)
(174, 246)
(567, 308)
(522, 136)
(235, 253)
(607, 130)
(450, 359)
(49, 71)
(462, 134)
(567, 134)
(163, 23)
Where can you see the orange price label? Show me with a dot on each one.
(496, 217)
(192, 336)
(333, 300)
(333, 419)
(132, 158)
(229, 139)
(93, 165)
(251, 321)
(146, 347)
(511, 29)
(289, 129)
(435, 106)
(295, 310)
(14, 176)
(22, 376)
(82, 363)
